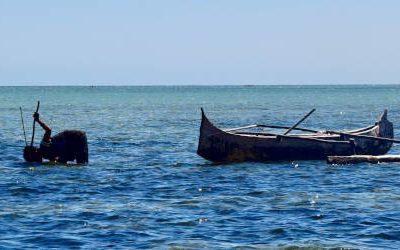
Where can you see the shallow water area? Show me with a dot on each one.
(145, 186)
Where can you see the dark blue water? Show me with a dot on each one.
(145, 187)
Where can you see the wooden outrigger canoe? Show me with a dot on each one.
(231, 145)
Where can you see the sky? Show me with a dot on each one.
(195, 42)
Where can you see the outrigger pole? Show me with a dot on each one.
(269, 126)
(34, 122)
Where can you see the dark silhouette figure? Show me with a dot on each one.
(69, 145)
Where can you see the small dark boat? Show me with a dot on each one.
(232, 145)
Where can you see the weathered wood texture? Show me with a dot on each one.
(354, 159)
(227, 146)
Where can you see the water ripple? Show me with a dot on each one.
(145, 187)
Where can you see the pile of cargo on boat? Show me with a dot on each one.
(235, 144)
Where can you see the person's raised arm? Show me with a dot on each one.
(47, 130)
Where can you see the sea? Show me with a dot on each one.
(146, 188)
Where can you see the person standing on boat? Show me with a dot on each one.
(69, 145)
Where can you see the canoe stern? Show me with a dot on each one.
(369, 146)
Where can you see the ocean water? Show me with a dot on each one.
(145, 186)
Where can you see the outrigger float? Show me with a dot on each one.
(235, 145)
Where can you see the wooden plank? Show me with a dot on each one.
(354, 159)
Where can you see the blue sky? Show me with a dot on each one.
(199, 42)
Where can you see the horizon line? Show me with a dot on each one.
(181, 84)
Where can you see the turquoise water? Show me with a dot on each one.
(145, 187)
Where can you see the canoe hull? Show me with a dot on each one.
(219, 146)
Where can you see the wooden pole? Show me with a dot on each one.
(354, 159)
(364, 136)
(286, 127)
(240, 128)
(269, 126)
(294, 126)
(34, 122)
(23, 125)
